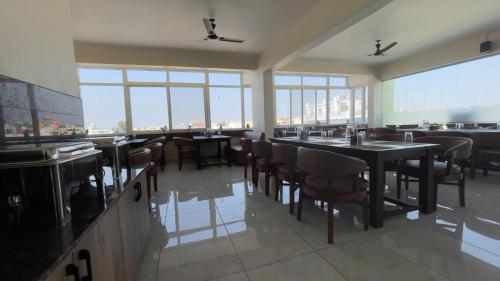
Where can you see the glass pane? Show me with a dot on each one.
(103, 109)
(366, 104)
(340, 104)
(338, 81)
(138, 75)
(282, 107)
(314, 80)
(321, 106)
(248, 107)
(358, 103)
(309, 101)
(221, 78)
(100, 75)
(225, 107)
(186, 77)
(148, 108)
(187, 106)
(296, 106)
(286, 80)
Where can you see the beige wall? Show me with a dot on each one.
(453, 52)
(326, 66)
(86, 52)
(36, 43)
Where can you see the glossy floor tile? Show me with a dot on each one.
(215, 225)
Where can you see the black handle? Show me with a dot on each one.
(138, 187)
(85, 255)
(72, 270)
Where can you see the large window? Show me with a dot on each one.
(317, 99)
(130, 99)
(465, 92)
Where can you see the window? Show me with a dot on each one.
(138, 75)
(100, 75)
(296, 106)
(222, 78)
(148, 108)
(321, 105)
(103, 109)
(465, 92)
(340, 104)
(188, 110)
(186, 77)
(358, 103)
(225, 107)
(366, 104)
(309, 110)
(336, 81)
(283, 106)
(247, 101)
(314, 80)
(293, 80)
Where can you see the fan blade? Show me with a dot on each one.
(208, 26)
(225, 39)
(386, 48)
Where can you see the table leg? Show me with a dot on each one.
(376, 194)
(198, 154)
(228, 153)
(219, 154)
(426, 189)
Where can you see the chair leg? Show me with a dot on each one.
(245, 166)
(148, 186)
(364, 205)
(155, 182)
(322, 204)
(472, 171)
(256, 178)
(277, 184)
(407, 182)
(299, 207)
(330, 223)
(292, 196)
(461, 192)
(398, 185)
(180, 160)
(485, 172)
(266, 183)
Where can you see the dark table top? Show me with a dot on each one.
(467, 131)
(212, 138)
(29, 252)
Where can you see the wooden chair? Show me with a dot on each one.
(185, 147)
(238, 154)
(384, 131)
(285, 161)
(156, 156)
(139, 158)
(262, 152)
(449, 167)
(163, 141)
(486, 150)
(332, 178)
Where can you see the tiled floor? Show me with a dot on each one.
(214, 225)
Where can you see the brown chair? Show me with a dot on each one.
(408, 126)
(384, 131)
(338, 133)
(332, 178)
(262, 152)
(486, 150)
(156, 155)
(139, 158)
(238, 155)
(285, 161)
(185, 148)
(163, 141)
(449, 166)
(448, 134)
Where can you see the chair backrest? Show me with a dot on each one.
(408, 126)
(156, 150)
(284, 153)
(450, 148)
(486, 140)
(391, 137)
(162, 140)
(328, 164)
(339, 133)
(180, 142)
(139, 157)
(448, 134)
(384, 131)
(254, 135)
(262, 149)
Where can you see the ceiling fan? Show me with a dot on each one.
(210, 27)
(379, 51)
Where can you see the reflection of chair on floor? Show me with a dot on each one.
(332, 178)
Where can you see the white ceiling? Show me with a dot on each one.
(178, 23)
(416, 25)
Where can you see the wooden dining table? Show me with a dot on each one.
(200, 159)
(376, 153)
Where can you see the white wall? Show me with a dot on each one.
(326, 66)
(36, 43)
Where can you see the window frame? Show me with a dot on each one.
(126, 84)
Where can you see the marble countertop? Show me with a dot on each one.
(30, 252)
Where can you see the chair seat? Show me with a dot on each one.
(318, 187)
(236, 147)
(284, 172)
(411, 168)
(488, 155)
(263, 164)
